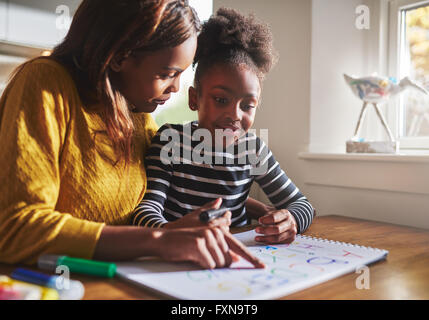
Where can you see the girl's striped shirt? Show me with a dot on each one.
(184, 173)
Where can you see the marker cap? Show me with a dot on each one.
(48, 262)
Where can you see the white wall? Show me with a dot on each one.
(3, 19)
(337, 48)
(309, 110)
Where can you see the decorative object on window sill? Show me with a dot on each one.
(374, 90)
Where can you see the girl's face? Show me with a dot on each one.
(148, 81)
(227, 101)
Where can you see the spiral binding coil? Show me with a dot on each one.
(305, 237)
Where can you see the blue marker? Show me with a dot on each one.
(74, 291)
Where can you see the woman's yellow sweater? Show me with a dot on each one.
(58, 182)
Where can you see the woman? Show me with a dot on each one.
(74, 128)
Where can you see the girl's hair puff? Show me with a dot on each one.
(232, 38)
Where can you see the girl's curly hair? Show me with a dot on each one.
(232, 38)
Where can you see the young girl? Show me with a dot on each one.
(233, 55)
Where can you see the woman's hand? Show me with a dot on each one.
(209, 247)
(192, 219)
(277, 226)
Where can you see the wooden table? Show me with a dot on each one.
(404, 275)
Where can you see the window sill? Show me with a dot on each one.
(409, 156)
(405, 173)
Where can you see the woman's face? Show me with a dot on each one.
(227, 101)
(147, 81)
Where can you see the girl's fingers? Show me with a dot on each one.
(273, 229)
(274, 217)
(285, 237)
(277, 229)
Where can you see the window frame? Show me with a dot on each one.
(394, 116)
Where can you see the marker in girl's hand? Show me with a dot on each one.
(211, 214)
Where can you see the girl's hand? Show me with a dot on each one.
(209, 247)
(192, 219)
(277, 226)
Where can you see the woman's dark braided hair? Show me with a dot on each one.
(229, 37)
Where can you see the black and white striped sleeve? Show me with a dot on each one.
(281, 191)
(149, 212)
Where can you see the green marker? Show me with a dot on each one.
(96, 268)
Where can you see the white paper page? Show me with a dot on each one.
(290, 267)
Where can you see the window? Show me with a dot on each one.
(409, 57)
(176, 110)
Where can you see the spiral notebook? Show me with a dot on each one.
(304, 263)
